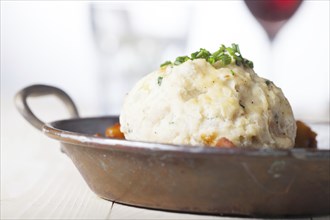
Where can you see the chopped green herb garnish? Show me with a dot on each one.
(248, 63)
(159, 80)
(166, 63)
(181, 59)
(232, 72)
(211, 60)
(222, 57)
(202, 53)
(268, 82)
(225, 59)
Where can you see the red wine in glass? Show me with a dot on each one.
(272, 14)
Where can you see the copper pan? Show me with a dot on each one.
(243, 182)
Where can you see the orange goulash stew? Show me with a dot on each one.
(305, 138)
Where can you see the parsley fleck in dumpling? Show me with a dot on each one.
(207, 98)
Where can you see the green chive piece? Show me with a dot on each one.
(268, 82)
(166, 63)
(159, 80)
(181, 59)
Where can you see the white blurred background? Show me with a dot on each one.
(96, 56)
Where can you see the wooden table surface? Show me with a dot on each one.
(40, 182)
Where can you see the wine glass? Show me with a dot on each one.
(272, 14)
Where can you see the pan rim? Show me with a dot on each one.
(87, 140)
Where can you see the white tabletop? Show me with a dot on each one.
(40, 182)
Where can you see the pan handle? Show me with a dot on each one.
(37, 91)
